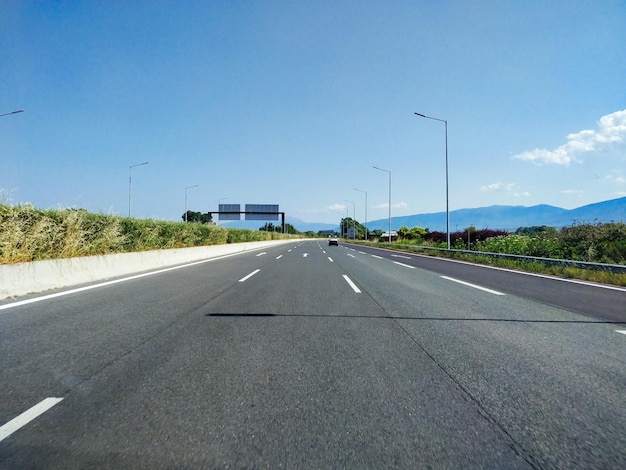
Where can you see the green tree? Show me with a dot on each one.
(191, 216)
(348, 223)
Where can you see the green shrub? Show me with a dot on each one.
(29, 234)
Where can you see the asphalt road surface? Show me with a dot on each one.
(310, 356)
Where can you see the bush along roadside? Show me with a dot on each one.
(30, 234)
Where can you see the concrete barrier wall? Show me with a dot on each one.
(38, 276)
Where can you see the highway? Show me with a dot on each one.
(310, 356)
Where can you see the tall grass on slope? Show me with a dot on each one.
(29, 234)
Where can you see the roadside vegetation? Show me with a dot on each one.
(30, 234)
(603, 243)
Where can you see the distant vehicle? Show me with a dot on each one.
(333, 241)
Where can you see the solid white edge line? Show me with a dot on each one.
(495, 292)
(22, 420)
(352, 284)
(109, 283)
(405, 265)
(244, 279)
(523, 273)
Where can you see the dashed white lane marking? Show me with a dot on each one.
(330, 259)
(279, 256)
(26, 417)
(362, 252)
(400, 256)
(244, 279)
(262, 253)
(495, 292)
(352, 284)
(376, 256)
(109, 283)
(405, 265)
(621, 331)
(351, 255)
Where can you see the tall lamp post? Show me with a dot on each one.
(366, 232)
(188, 187)
(447, 205)
(353, 218)
(12, 112)
(388, 171)
(130, 181)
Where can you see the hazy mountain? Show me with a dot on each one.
(510, 217)
(493, 217)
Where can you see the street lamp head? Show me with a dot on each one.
(422, 115)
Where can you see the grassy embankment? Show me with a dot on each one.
(559, 270)
(30, 234)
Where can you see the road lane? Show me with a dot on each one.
(551, 379)
(597, 301)
(294, 368)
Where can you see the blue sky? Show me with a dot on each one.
(292, 103)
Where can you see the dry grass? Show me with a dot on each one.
(30, 234)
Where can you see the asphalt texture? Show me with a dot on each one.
(273, 359)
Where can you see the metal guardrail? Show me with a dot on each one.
(613, 268)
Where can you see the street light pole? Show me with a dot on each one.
(388, 171)
(366, 232)
(12, 112)
(188, 187)
(130, 180)
(447, 204)
(353, 219)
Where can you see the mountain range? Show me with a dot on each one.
(508, 218)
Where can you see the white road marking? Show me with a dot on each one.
(351, 256)
(400, 256)
(405, 265)
(376, 256)
(26, 417)
(288, 251)
(621, 331)
(352, 284)
(495, 292)
(330, 259)
(362, 252)
(279, 256)
(262, 253)
(244, 279)
(109, 283)
(304, 255)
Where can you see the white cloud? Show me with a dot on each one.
(510, 189)
(611, 129)
(335, 207)
(616, 177)
(573, 192)
(397, 205)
